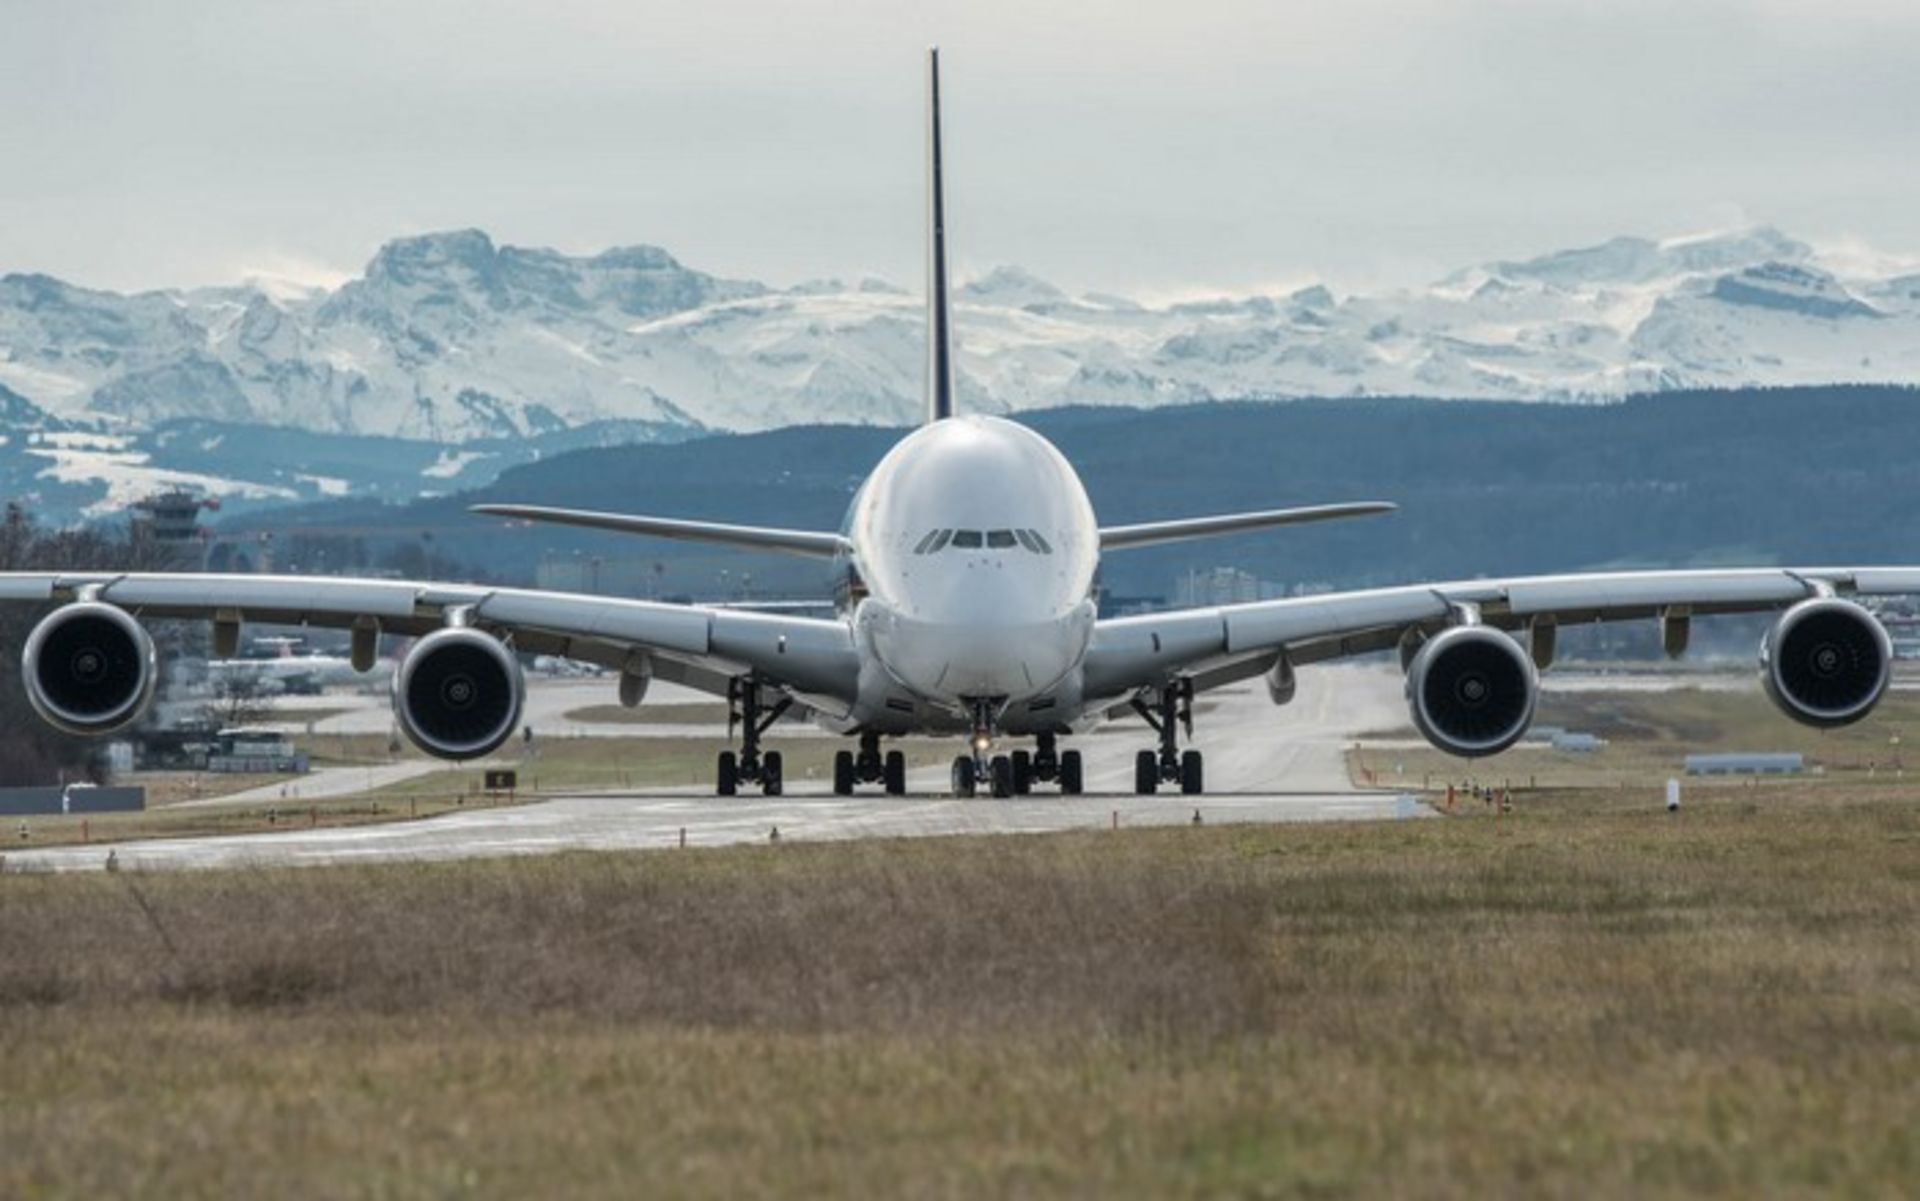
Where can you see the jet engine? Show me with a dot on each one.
(1472, 690)
(1826, 662)
(458, 693)
(89, 668)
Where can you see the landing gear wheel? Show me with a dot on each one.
(1146, 773)
(749, 766)
(843, 773)
(1070, 777)
(895, 773)
(964, 783)
(1192, 774)
(1022, 773)
(1171, 711)
(1001, 772)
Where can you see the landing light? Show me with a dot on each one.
(981, 742)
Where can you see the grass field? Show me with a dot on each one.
(1648, 737)
(611, 764)
(689, 712)
(1586, 999)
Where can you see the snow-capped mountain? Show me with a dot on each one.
(450, 338)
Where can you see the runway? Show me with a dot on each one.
(1269, 764)
(610, 823)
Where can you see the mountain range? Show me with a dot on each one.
(472, 353)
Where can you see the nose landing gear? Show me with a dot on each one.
(749, 766)
(1014, 774)
(972, 771)
(1168, 765)
(869, 767)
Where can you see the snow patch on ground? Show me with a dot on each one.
(327, 485)
(451, 463)
(51, 390)
(128, 476)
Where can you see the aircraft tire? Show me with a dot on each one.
(1146, 773)
(964, 785)
(1002, 776)
(1022, 773)
(1192, 773)
(1072, 782)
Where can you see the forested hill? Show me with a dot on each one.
(1805, 475)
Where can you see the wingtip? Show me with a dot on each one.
(498, 510)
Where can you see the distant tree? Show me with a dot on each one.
(238, 700)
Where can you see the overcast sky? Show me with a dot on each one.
(1149, 148)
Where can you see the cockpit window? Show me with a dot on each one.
(938, 540)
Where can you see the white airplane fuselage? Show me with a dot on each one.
(977, 547)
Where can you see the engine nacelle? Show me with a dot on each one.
(1281, 682)
(89, 668)
(458, 693)
(1472, 690)
(1826, 662)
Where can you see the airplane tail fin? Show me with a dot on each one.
(939, 318)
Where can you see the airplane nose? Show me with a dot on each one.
(983, 656)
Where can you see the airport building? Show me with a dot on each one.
(169, 523)
(1746, 764)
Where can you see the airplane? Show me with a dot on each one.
(969, 557)
(288, 667)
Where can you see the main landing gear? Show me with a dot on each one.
(1013, 774)
(750, 766)
(869, 767)
(1168, 764)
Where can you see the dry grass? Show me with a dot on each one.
(1565, 1003)
(672, 713)
(239, 818)
(571, 765)
(172, 787)
(1650, 734)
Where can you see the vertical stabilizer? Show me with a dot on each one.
(939, 316)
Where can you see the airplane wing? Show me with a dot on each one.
(1152, 533)
(1215, 646)
(700, 647)
(744, 537)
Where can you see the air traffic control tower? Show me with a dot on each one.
(170, 522)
